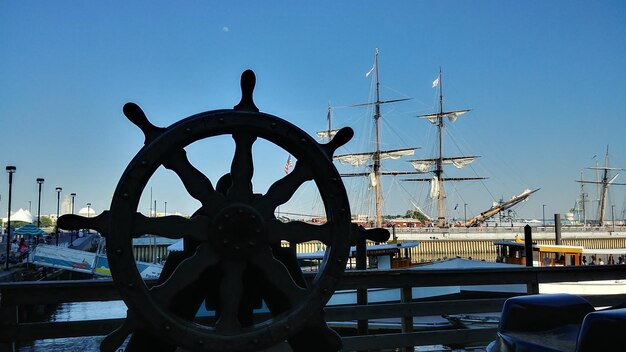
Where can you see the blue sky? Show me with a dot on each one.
(545, 79)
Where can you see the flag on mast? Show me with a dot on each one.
(436, 82)
(288, 164)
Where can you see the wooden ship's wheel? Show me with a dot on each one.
(233, 257)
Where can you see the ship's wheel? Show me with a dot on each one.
(233, 240)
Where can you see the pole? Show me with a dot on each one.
(10, 170)
(72, 232)
(613, 216)
(439, 171)
(532, 286)
(543, 217)
(58, 190)
(165, 209)
(528, 245)
(557, 229)
(465, 211)
(361, 293)
(39, 182)
(377, 186)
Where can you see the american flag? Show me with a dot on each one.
(288, 164)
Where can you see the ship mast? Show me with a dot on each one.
(439, 170)
(436, 165)
(375, 157)
(377, 186)
(603, 185)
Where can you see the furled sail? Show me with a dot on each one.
(426, 165)
(359, 159)
(373, 182)
(327, 135)
(434, 188)
(451, 115)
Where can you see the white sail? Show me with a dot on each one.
(460, 162)
(434, 188)
(373, 182)
(323, 135)
(452, 116)
(359, 159)
(422, 165)
(428, 164)
(396, 154)
(354, 159)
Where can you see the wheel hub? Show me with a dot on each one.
(239, 230)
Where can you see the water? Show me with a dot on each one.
(74, 312)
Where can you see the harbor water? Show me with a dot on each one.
(74, 312)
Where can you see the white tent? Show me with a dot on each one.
(22, 215)
(87, 212)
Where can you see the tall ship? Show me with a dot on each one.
(372, 159)
(435, 166)
(605, 177)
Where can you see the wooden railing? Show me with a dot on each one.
(14, 296)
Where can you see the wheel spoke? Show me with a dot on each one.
(242, 169)
(186, 273)
(282, 190)
(114, 340)
(196, 183)
(231, 290)
(173, 226)
(99, 223)
(298, 232)
(277, 275)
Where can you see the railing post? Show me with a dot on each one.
(406, 296)
(361, 293)
(533, 285)
(9, 320)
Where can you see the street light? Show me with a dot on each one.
(10, 170)
(88, 215)
(58, 190)
(73, 195)
(165, 209)
(39, 182)
(544, 217)
(72, 232)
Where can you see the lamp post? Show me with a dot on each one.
(73, 195)
(10, 171)
(88, 215)
(165, 209)
(544, 217)
(39, 182)
(58, 190)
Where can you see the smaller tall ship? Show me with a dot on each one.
(372, 159)
(605, 177)
(435, 165)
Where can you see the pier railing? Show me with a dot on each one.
(16, 297)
